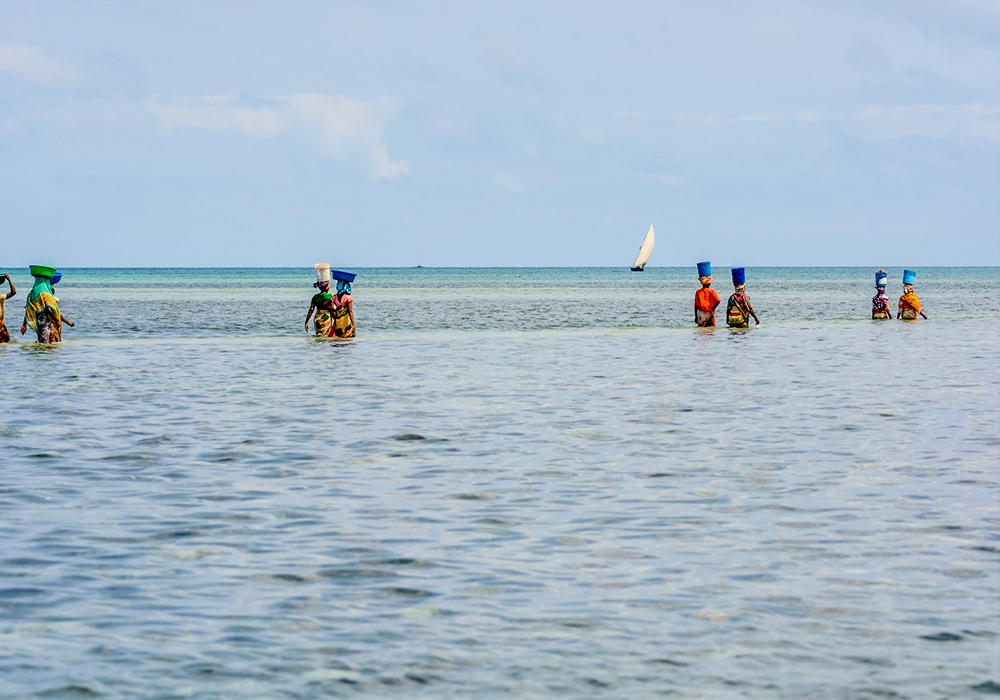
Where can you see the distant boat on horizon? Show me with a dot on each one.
(645, 251)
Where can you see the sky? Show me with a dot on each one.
(542, 133)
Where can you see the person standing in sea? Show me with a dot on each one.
(909, 304)
(739, 309)
(4, 335)
(706, 298)
(322, 303)
(343, 311)
(880, 302)
(41, 308)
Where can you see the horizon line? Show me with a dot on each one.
(472, 267)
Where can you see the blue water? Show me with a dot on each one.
(514, 483)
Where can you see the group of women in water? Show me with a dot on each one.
(332, 313)
(41, 310)
(909, 305)
(739, 310)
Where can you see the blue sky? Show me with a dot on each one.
(506, 133)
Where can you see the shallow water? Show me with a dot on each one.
(514, 483)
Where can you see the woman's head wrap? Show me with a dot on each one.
(322, 284)
(343, 287)
(707, 279)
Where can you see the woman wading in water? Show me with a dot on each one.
(322, 303)
(739, 309)
(706, 298)
(909, 304)
(343, 311)
(41, 309)
(880, 302)
(334, 312)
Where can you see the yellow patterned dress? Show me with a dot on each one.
(343, 327)
(323, 323)
(41, 312)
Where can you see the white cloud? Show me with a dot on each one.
(29, 65)
(343, 127)
(214, 113)
(340, 127)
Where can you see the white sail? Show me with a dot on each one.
(646, 249)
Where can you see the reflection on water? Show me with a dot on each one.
(610, 509)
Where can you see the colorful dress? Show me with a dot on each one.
(880, 307)
(323, 323)
(342, 326)
(738, 310)
(909, 306)
(705, 301)
(41, 312)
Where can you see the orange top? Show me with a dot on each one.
(910, 300)
(705, 299)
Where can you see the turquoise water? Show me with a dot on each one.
(200, 303)
(513, 483)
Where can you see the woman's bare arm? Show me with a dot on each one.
(309, 315)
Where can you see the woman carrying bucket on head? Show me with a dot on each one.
(343, 306)
(739, 309)
(41, 309)
(705, 299)
(334, 312)
(880, 302)
(909, 304)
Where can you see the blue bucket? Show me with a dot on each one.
(705, 269)
(881, 279)
(739, 275)
(56, 277)
(909, 276)
(341, 275)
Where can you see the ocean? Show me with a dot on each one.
(525, 483)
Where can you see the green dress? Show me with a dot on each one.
(323, 322)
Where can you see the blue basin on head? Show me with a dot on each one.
(341, 275)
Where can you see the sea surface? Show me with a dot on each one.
(514, 483)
